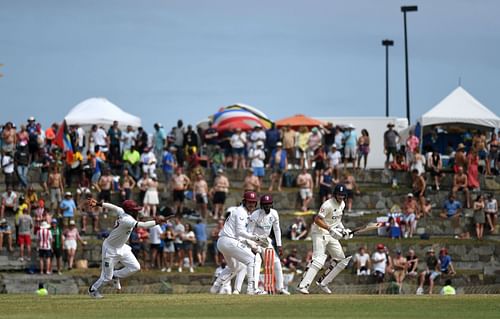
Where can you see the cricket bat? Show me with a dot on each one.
(367, 227)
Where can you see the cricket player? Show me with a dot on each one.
(232, 243)
(326, 232)
(114, 247)
(260, 223)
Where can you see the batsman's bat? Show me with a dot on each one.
(367, 227)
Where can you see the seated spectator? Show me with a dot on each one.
(292, 261)
(412, 263)
(491, 211)
(379, 260)
(446, 265)
(393, 228)
(298, 230)
(9, 202)
(305, 182)
(362, 262)
(132, 162)
(431, 272)
(400, 267)
(409, 219)
(5, 234)
(418, 185)
(460, 181)
(426, 209)
(399, 163)
(451, 208)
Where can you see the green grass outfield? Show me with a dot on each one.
(213, 306)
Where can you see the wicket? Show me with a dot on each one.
(269, 277)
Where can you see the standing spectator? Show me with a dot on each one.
(412, 263)
(45, 162)
(379, 260)
(68, 207)
(9, 202)
(128, 138)
(8, 169)
(452, 209)
(25, 226)
(328, 133)
(273, 136)
(127, 184)
(114, 139)
(363, 148)
(334, 158)
(200, 194)
(350, 141)
(446, 265)
(362, 262)
(179, 232)
(9, 138)
(251, 182)
(200, 232)
(391, 138)
(218, 193)
(22, 161)
(436, 168)
(257, 157)
(491, 210)
(258, 135)
(105, 186)
(492, 160)
(56, 186)
(132, 162)
(289, 142)
(98, 137)
(299, 229)
(318, 159)
(217, 160)
(460, 183)
(326, 184)
(472, 170)
(190, 140)
(412, 143)
(168, 246)
(141, 140)
(179, 184)
(155, 234)
(57, 244)
(71, 236)
(479, 216)
(400, 267)
(44, 240)
(460, 158)
(87, 212)
(5, 234)
(409, 222)
(305, 183)
(418, 185)
(148, 161)
(169, 163)
(151, 200)
(351, 187)
(339, 140)
(301, 144)
(313, 143)
(238, 142)
(211, 139)
(159, 137)
(278, 165)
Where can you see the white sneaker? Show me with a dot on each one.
(94, 293)
(191, 269)
(163, 269)
(180, 269)
(284, 292)
(324, 288)
(215, 287)
(303, 290)
(117, 284)
(169, 269)
(420, 291)
(236, 292)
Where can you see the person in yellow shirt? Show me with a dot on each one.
(448, 288)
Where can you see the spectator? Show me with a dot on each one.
(326, 185)
(200, 194)
(446, 265)
(143, 186)
(68, 207)
(9, 138)
(491, 211)
(400, 267)
(292, 261)
(218, 193)
(148, 161)
(169, 163)
(273, 136)
(25, 226)
(409, 220)
(193, 163)
(128, 138)
(9, 202)
(179, 232)
(71, 236)
(190, 140)
(419, 185)
(88, 213)
(211, 139)
(257, 135)
(57, 244)
(412, 263)
(22, 161)
(431, 272)
(289, 142)
(334, 158)
(472, 170)
(279, 166)
(301, 145)
(56, 187)
(179, 184)
(215, 236)
(350, 141)
(339, 140)
(8, 169)
(479, 216)
(313, 143)
(460, 183)
(448, 288)
(351, 187)
(168, 247)
(159, 138)
(217, 160)
(127, 184)
(155, 234)
(393, 228)
(5, 234)
(362, 262)
(436, 168)
(427, 209)
(200, 232)
(492, 159)
(451, 209)
(132, 162)
(418, 163)
(98, 137)
(299, 229)
(305, 182)
(114, 139)
(238, 142)
(412, 143)
(141, 140)
(44, 240)
(460, 159)
(318, 159)
(257, 157)
(251, 182)
(391, 138)
(45, 162)
(379, 260)
(151, 200)
(363, 147)
(399, 163)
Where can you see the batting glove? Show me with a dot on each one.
(336, 233)
(347, 233)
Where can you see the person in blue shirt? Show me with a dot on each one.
(200, 232)
(445, 262)
(68, 206)
(169, 163)
(451, 208)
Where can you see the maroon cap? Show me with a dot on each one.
(250, 196)
(131, 206)
(266, 199)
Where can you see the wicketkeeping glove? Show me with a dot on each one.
(262, 241)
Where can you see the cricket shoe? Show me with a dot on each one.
(94, 293)
(303, 290)
(215, 288)
(420, 291)
(324, 288)
(284, 292)
(236, 292)
(257, 292)
(116, 284)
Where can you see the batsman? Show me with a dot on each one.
(326, 232)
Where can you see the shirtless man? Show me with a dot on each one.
(418, 186)
(200, 194)
(179, 184)
(460, 158)
(305, 182)
(56, 187)
(251, 182)
(351, 187)
(219, 192)
(460, 184)
(105, 184)
(8, 138)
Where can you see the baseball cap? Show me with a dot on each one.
(410, 195)
(54, 221)
(279, 144)
(72, 222)
(380, 246)
(334, 145)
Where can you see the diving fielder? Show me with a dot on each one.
(115, 248)
(326, 232)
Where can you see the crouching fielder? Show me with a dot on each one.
(326, 232)
(114, 247)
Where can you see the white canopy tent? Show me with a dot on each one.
(100, 111)
(460, 107)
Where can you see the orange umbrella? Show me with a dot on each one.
(298, 121)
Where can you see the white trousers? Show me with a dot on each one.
(326, 243)
(110, 257)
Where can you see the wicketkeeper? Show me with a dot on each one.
(326, 232)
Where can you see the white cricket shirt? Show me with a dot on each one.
(260, 223)
(124, 225)
(236, 224)
(331, 211)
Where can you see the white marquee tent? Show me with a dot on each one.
(460, 107)
(100, 111)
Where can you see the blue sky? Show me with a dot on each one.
(164, 60)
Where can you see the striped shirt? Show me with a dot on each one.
(44, 239)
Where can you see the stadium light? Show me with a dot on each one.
(406, 9)
(387, 43)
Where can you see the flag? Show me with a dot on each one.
(63, 140)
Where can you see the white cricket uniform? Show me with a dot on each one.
(115, 248)
(331, 212)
